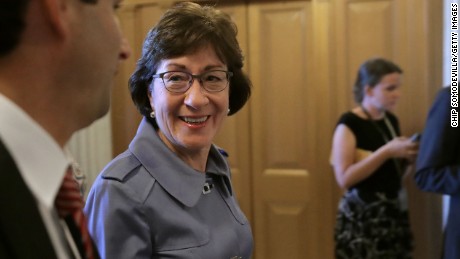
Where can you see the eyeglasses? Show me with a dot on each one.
(179, 81)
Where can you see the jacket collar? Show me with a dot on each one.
(173, 174)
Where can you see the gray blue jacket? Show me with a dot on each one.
(148, 203)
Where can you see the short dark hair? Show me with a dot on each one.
(370, 73)
(12, 23)
(181, 30)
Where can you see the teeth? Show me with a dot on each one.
(195, 120)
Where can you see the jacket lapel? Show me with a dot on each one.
(22, 231)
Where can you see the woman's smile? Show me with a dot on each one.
(194, 120)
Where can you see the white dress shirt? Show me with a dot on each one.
(41, 161)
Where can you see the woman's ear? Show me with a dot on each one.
(149, 91)
(149, 94)
(368, 90)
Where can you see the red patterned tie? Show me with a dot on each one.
(69, 204)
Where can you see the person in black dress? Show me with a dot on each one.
(368, 157)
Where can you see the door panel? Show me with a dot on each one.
(283, 136)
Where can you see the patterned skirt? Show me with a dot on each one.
(372, 226)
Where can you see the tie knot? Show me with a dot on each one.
(68, 199)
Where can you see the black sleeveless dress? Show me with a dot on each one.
(372, 220)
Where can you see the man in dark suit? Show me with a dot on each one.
(58, 59)
(438, 164)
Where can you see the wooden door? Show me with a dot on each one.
(292, 189)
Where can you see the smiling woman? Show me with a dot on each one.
(175, 111)
(170, 194)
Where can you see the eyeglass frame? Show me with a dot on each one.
(229, 74)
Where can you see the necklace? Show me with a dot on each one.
(387, 124)
(384, 135)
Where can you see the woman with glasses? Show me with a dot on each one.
(170, 194)
(368, 158)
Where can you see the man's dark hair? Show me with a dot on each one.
(12, 13)
(12, 23)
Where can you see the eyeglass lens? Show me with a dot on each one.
(211, 81)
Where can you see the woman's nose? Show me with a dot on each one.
(196, 95)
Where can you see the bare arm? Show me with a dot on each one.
(349, 170)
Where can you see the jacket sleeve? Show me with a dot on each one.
(116, 220)
(438, 167)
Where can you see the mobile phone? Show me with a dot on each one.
(416, 137)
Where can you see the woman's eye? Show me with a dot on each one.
(212, 78)
(177, 78)
(391, 88)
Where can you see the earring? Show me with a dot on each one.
(152, 115)
(228, 111)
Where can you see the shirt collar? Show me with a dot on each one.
(172, 173)
(41, 161)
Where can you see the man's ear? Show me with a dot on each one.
(56, 14)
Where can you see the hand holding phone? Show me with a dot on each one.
(415, 137)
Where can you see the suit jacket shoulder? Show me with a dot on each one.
(438, 161)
